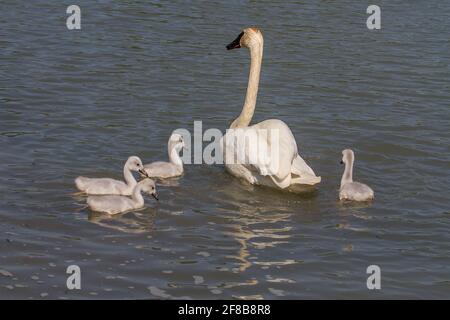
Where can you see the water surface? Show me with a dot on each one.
(80, 102)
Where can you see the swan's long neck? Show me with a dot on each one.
(244, 119)
(348, 172)
(129, 178)
(137, 197)
(174, 156)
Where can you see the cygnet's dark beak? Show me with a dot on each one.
(143, 173)
(342, 162)
(155, 195)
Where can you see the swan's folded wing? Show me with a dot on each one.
(249, 148)
(161, 169)
(110, 204)
(103, 186)
(267, 150)
(82, 183)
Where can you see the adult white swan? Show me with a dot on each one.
(264, 153)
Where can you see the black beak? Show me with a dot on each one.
(155, 195)
(236, 43)
(342, 162)
(144, 173)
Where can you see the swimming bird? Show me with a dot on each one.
(353, 191)
(270, 156)
(103, 186)
(114, 204)
(174, 168)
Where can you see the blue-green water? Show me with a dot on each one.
(80, 102)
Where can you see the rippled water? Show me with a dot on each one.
(80, 102)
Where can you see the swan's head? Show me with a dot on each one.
(248, 38)
(148, 186)
(347, 156)
(135, 164)
(176, 141)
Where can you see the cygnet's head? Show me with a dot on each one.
(347, 156)
(248, 38)
(135, 164)
(176, 141)
(148, 186)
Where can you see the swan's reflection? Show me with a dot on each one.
(256, 226)
(135, 222)
(170, 182)
(353, 208)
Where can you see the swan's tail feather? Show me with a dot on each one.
(282, 183)
(82, 183)
(306, 179)
(304, 172)
(299, 167)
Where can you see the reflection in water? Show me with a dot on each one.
(173, 182)
(251, 297)
(346, 214)
(347, 210)
(347, 207)
(131, 222)
(253, 227)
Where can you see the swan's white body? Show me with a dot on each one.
(174, 168)
(350, 190)
(283, 169)
(275, 162)
(114, 204)
(107, 186)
